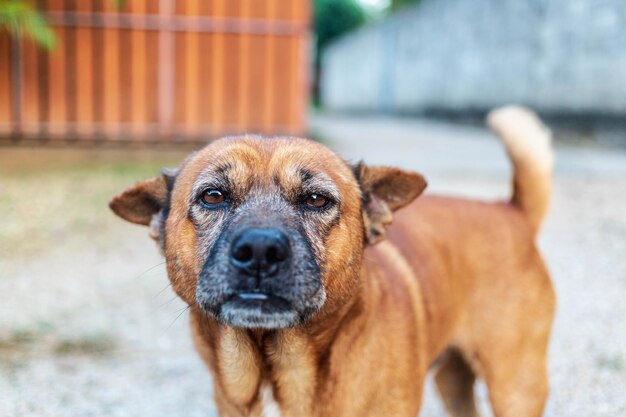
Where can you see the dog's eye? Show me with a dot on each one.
(212, 197)
(316, 200)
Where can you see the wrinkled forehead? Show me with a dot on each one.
(247, 162)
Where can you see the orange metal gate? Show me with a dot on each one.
(158, 71)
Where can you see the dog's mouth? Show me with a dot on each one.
(258, 310)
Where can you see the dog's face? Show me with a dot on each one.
(265, 233)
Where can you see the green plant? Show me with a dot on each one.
(23, 20)
(397, 4)
(333, 18)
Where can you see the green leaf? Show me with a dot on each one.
(22, 20)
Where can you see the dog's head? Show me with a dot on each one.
(264, 233)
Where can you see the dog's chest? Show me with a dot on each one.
(276, 374)
(269, 405)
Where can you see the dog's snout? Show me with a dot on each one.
(260, 250)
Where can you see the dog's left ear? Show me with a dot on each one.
(140, 203)
(385, 190)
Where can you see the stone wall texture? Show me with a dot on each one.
(558, 56)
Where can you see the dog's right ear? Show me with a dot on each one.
(140, 203)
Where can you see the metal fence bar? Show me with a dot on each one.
(217, 79)
(137, 67)
(16, 86)
(166, 71)
(5, 85)
(192, 72)
(270, 58)
(244, 65)
(57, 103)
(43, 84)
(84, 72)
(70, 65)
(304, 65)
(175, 23)
(125, 53)
(97, 62)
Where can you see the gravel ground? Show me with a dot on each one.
(89, 326)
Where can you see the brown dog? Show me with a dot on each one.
(297, 312)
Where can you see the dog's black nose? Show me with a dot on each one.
(260, 251)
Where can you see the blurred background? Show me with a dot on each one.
(98, 94)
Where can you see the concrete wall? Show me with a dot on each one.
(561, 56)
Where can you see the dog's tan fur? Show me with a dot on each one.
(452, 284)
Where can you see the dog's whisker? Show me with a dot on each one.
(182, 311)
(164, 288)
(149, 269)
(178, 316)
(168, 302)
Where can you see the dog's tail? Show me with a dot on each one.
(528, 144)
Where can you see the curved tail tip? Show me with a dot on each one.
(512, 117)
(522, 132)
